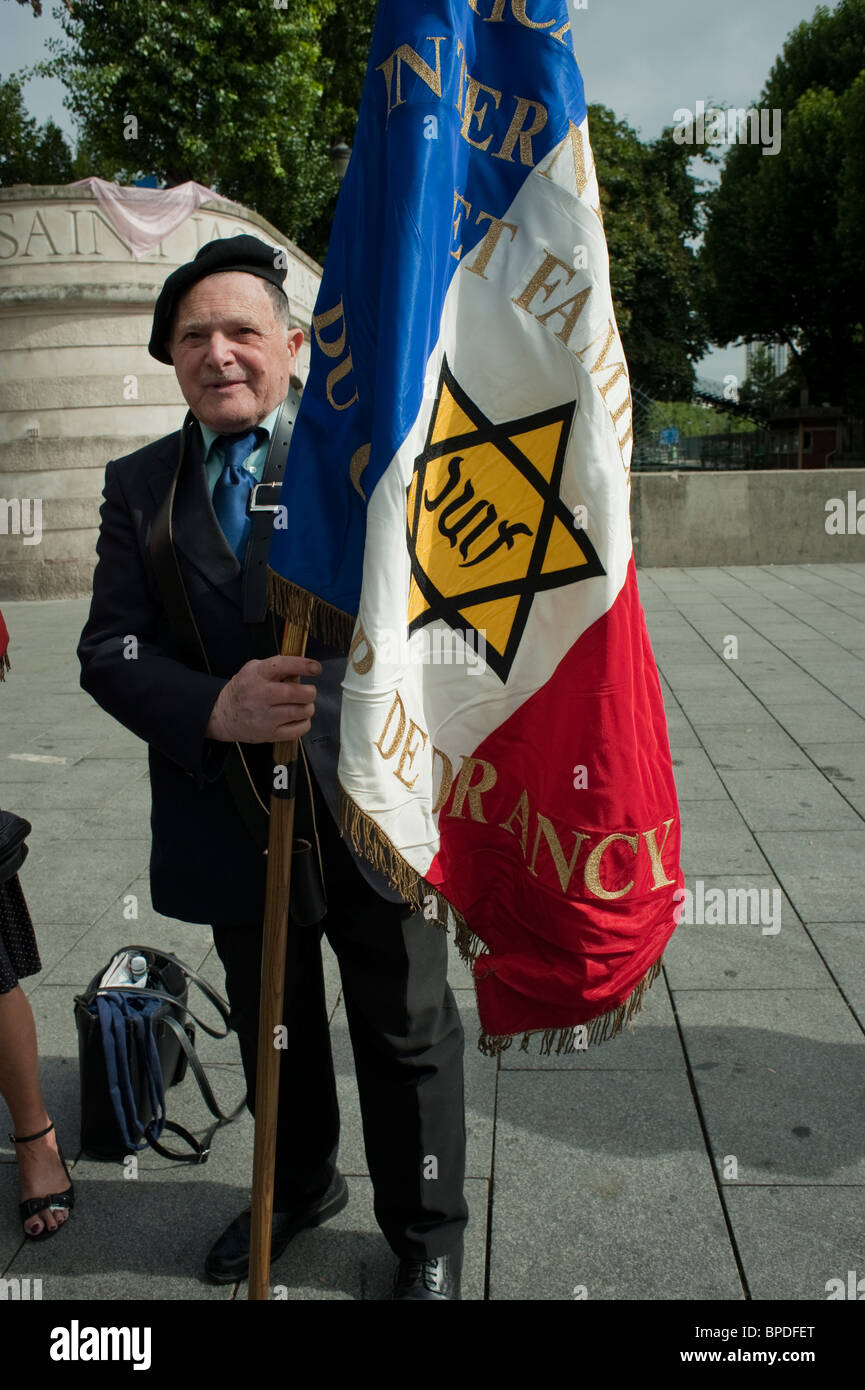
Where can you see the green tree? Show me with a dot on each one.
(763, 389)
(250, 98)
(783, 258)
(345, 41)
(29, 153)
(243, 98)
(651, 208)
(692, 418)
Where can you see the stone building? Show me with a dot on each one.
(77, 385)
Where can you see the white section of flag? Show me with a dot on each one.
(488, 340)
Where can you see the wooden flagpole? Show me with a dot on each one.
(278, 889)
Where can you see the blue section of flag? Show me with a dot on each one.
(390, 261)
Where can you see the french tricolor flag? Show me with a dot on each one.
(461, 465)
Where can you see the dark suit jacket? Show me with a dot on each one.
(205, 865)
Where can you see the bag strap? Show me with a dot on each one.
(148, 1052)
(193, 976)
(263, 507)
(200, 1149)
(87, 999)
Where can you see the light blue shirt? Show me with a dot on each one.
(214, 462)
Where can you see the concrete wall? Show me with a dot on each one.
(77, 385)
(776, 517)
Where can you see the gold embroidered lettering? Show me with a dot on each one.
(579, 303)
(593, 867)
(343, 369)
(472, 113)
(447, 779)
(398, 709)
(362, 663)
(516, 131)
(539, 281)
(563, 868)
(456, 225)
(464, 789)
(406, 54)
(579, 157)
(408, 752)
(520, 814)
(490, 242)
(658, 871)
(336, 346)
(519, 11)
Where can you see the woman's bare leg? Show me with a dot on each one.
(39, 1168)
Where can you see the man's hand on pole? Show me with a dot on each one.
(265, 702)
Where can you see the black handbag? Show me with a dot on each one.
(132, 1050)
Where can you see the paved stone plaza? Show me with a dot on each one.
(714, 1150)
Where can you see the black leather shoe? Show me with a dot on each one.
(228, 1259)
(432, 1279)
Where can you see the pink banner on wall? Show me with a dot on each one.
(142, 217)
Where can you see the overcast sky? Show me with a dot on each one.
(642, 58)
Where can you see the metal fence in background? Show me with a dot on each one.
(658, 451)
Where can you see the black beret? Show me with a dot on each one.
(243, 252)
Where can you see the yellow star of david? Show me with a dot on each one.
(486, 526)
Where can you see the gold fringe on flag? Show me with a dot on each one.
(370, 841)
(330, 625)
(598, 1030)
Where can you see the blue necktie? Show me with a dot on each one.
(233, 486)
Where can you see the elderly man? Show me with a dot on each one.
(178, 647)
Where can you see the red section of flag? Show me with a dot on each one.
(531, 878)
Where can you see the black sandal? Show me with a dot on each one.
(56, 1201)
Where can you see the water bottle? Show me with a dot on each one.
(138, 972)
(128, 972)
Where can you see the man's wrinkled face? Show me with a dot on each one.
(233, 358)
